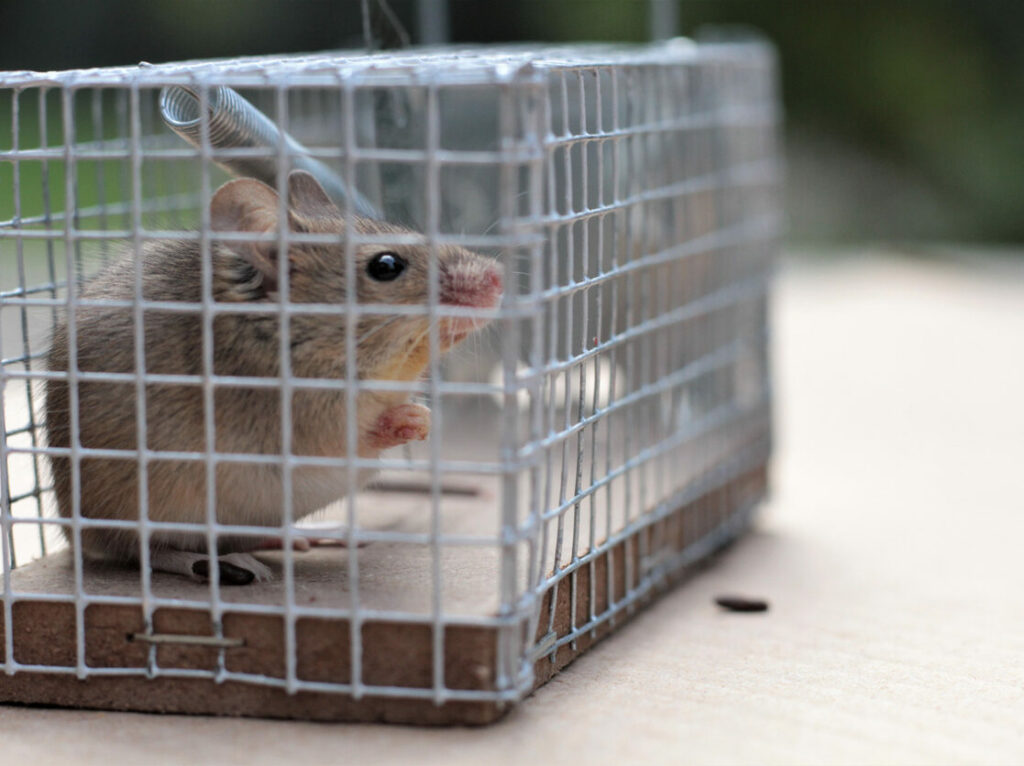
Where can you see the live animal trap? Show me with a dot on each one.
(606, 429)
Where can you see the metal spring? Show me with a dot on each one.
(234, 123)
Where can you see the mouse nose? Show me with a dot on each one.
(494, 279)
(477, 284)
(489, 286)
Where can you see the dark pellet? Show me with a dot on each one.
(740, 604)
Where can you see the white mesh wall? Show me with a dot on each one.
(608, 428)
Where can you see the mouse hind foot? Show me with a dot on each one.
(234, 568)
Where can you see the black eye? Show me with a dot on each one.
(385, 266)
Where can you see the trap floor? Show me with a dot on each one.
(395, 577)
(890, 554)
(395, 594)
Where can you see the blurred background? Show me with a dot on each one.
(891, 549)
(904, 118)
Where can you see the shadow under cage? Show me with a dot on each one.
(373, 387)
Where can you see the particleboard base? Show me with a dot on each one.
(393, 653)
(203, 697)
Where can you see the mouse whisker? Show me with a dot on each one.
(386, 323)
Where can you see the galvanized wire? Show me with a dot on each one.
(632, 193)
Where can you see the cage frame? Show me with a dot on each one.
(538, 631)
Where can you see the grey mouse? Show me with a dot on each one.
(246, 419)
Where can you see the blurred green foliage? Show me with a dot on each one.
(909, 114)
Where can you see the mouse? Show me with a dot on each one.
(246, 418)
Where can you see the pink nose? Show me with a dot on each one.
(489, 287)
(492, 282)
(477, 286)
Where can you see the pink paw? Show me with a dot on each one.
(400, 425)
(300, 544)
(305, 544)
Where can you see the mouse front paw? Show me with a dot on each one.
(399, 425)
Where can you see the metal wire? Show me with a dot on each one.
(231, 122)
(632, 194)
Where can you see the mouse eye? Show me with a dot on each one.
(385, 266)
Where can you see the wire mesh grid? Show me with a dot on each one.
(631, 196)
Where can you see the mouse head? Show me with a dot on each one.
(389, 345)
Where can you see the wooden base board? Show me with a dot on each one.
(394, 654)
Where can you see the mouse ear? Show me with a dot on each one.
(248, 205)
(307, 197)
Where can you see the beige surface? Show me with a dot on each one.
(891, 555)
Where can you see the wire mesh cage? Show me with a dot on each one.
(564, 252)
